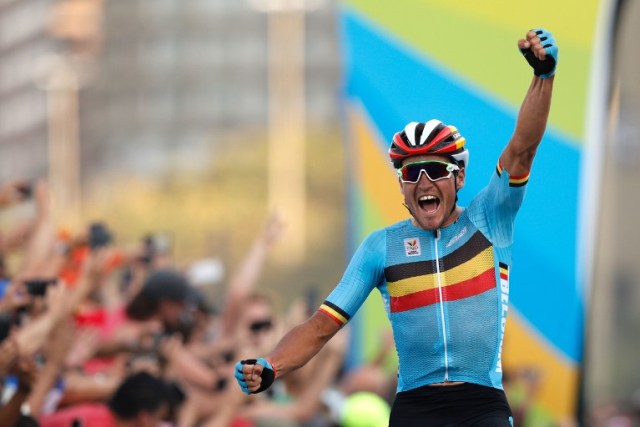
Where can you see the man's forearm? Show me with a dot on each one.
(530, 127)
(33, 336)
(301, 343)
(534, 112)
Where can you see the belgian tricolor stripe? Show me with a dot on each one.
(514, 181)
(477, 242)
(466, 272)
(504, 271)
(454, 274)
(340, 316)
(465, 289)
(504, 278)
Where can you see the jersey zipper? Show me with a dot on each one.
(442, 318)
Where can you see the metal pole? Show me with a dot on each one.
(287, 117)
(63, 140)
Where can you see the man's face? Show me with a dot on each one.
(258, 324)
(432, 203)
(152, 418)
(170, 311)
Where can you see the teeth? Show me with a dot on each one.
(427, 198)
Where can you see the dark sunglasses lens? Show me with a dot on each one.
(434, 170)
(228, 356)
(260, 326)
(411, 173)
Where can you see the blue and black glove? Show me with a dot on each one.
(268, 374)
(547, 68)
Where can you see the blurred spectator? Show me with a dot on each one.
(93, 333)
(304, 405)
(365, 409)
(369, 384)
(23, 373)
(622, 413)
(522, 386)
(206, 367)
(141, 400)
(16, 191)
(163, 297)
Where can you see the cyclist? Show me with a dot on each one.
(443, 273)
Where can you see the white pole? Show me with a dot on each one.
(287, 122)
(61, 88)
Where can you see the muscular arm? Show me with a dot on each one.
(294, 350)
(302, 343)
(517, 157)
(306, 401)
(364, 272)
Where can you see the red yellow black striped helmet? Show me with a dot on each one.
(432, 137)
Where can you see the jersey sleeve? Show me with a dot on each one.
(494, 209)
(363, 274)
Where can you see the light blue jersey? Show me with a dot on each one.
(445, 292)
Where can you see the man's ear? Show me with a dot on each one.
(143, 418)
(400, 183)
(460, 178)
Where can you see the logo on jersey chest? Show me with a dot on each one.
(412, 246)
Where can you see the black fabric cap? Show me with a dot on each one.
(166, 284)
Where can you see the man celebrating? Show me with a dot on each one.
(443, 273)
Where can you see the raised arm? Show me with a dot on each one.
(540, 50)
(41, 258)
(244, 281)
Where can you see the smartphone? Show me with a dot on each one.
(153, 245)
(148, 251)
(99, 235)
(25, 189)
(38, 287)
(6, 323)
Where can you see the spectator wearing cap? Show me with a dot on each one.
(163, 296)
(158, 309)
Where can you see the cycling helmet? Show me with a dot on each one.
(432, 137)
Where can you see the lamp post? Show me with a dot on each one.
(59, 80)
(287, 118)
(61, 76)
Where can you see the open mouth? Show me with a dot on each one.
(429, 203)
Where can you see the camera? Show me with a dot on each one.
(153, 245)
(38, 287)
(99, 235)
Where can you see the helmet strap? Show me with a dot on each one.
(408, 208)
(455, 185)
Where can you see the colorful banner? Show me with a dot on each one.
(457, 61)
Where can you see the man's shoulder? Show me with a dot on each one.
(380, 236)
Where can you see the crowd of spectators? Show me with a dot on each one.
(95, 334)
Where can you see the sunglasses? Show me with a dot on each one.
(260, 325)
(434, 169)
